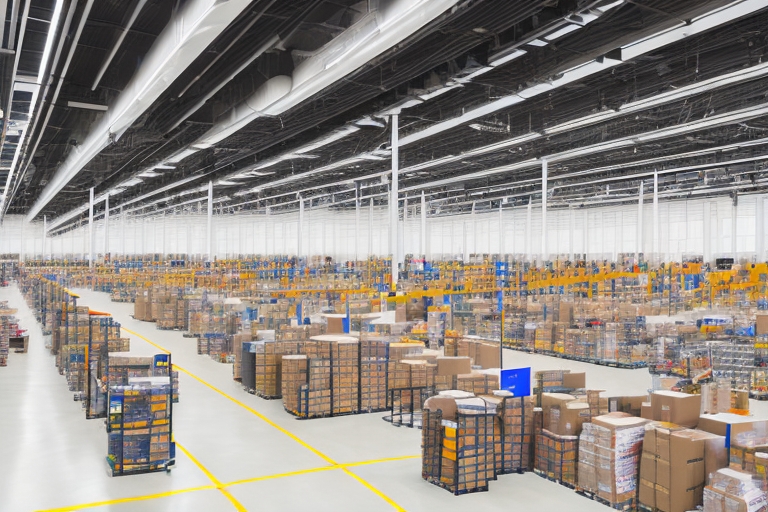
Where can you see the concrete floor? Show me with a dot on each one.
(235, 451)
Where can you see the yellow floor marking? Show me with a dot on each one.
(219, 486)
(273, 424)
(315, 470)
(127, 500)
(223, 486)
(145, 339)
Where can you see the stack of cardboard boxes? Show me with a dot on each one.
(609, 451)
(731, 490)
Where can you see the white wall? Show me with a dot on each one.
(700, 226)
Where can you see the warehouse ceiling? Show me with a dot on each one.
(277, 102)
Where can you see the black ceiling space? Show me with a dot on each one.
(458, 167)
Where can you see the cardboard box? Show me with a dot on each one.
(453, 365)
(646, 411)
(335, 325)
(674, 407)
(629, 404)
(729, 425)
(487, 356)
(566, 313)
(761, 324)
(574, 380)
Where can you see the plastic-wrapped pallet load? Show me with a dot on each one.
(733, 491)
(618, 442)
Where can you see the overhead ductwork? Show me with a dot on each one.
(197, 24)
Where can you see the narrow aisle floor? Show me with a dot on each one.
(236, 451)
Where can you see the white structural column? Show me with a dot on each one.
(90, 230)
(21, 242)
(544, 171)
(357, 221)
(301, 227)
(45, 233)
(393, 201)
(423, 232)
(571, 230)
(209, 233)
(528, 248)
(639, 243)
(734, 226)
(370, 228)
(707, 234)
(501, 229)
(760, 228)
(655, 216)
(106, 225)
(122, 232)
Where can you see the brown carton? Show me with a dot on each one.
(574, 380)
(453, 365)
(674, 407)
(629, 404)
(646, 411)
(761, 324)
(729, 424)
(487, 356)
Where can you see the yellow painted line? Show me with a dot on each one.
(145, 339)
(273, 424)
(375, 490)
(127, 500)
(219, 486)
(261, 416)
(315, 470)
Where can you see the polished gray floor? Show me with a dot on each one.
(251, 455)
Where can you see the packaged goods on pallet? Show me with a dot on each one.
(294, 376)
(749, 452)
(514, 433)
(139, 426)
(345, 356)
(458, 443)
(675, 464)
(612, 447)
(733, 491)
(557, 456)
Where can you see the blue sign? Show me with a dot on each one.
(517, 381)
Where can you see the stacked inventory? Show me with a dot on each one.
(268, 365)
(8, 329)
(345, 367)
(140, 427)
(609, 452)
(458, 443)
(373, 375)
(294, 376)
(557, 456)
(732, 490)
(514, 433)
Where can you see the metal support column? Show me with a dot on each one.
(639, 242)
(45, 234)
(90, 230)
(423, 241)
(655, 216)
(394, 225)
(528, 248)
(123, 249)
(760, 229)
(571, 230)
(501, 230)
(209, 244)
(357, 221)
(544, 172)
(734, 227)
(370, 228)
(106, 226)
(301, 228)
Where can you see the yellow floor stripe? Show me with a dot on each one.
(127, 500)
(219, 486)
(223, 486)
(145, 339)
(315, 470)
(273, 424)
